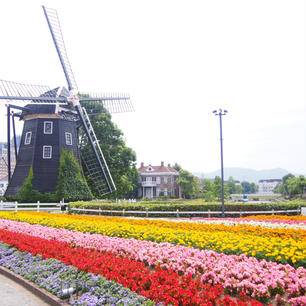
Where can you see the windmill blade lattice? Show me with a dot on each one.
(114, 103)
(94, 159)
(27, 92)
(57, 36)
(102, 180)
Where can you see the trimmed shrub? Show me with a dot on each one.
(71, 185)
(187, 206)
(26, 194)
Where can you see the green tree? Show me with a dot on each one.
(296, 186)
(238, 189)
(249, 187)
(231, 185)
(121, 159)
(208, 190)
(177, 167)
(189, 185)
(71, 184)
(218, 189)
(26, 194)
(283, 186)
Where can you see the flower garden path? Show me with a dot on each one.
(13, 294)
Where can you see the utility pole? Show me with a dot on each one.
(221, 113)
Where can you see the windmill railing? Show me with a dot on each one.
(37, 206)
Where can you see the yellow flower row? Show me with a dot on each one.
(284, 233)
(227, 241)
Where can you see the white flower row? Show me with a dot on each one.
(250, 222)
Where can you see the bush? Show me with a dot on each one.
(71, 185)
(26, 194)
(183, 205)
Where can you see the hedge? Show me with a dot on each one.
(187, 206)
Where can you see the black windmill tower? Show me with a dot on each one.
(55, 119)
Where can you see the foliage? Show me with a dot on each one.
(208, 190)
(291, 186)
(121, 159)
(177, 167)
(71, 184)
(212, 190)
(218, 189)
(249, 187)
(188, 183)
(233, 187)
(185, 205)
(26, 194)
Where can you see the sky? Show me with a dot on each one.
(179, 60)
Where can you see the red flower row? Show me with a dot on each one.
(159, 285)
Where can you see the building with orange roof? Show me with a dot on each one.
(159, 181)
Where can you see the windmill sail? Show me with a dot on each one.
(27, 92)
(57, 36)
(93, 158)
(113, 103)
(102, 180)
(50, 128)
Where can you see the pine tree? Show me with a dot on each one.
(71, 185)
(26, 194)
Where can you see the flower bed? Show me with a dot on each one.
(279, 217)
(230, 240)
(53, 276)
(269, 223)
(259, 279)
(163, 286)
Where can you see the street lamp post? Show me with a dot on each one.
(221, 113)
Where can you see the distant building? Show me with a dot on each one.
(3, 185)
(4, 156)
(4, 161)
(267, 186)
(158, 180)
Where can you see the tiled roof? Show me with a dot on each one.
(157, 169)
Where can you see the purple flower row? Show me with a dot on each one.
(234, 273)
(55, 276)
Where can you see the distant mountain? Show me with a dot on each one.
(245, 174)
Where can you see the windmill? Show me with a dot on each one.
(52, 119)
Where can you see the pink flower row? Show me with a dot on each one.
(299, 301)
(235, 273)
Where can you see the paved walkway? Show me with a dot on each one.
(12, 294)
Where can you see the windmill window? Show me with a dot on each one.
(48, 127)
(28, 137)
(47, 152)
(68, 137)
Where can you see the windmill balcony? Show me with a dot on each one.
(148, 184)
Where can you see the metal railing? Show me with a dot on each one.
(148, 183)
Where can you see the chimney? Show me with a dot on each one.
(169, 166)
(162, 163)
(142, 165)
